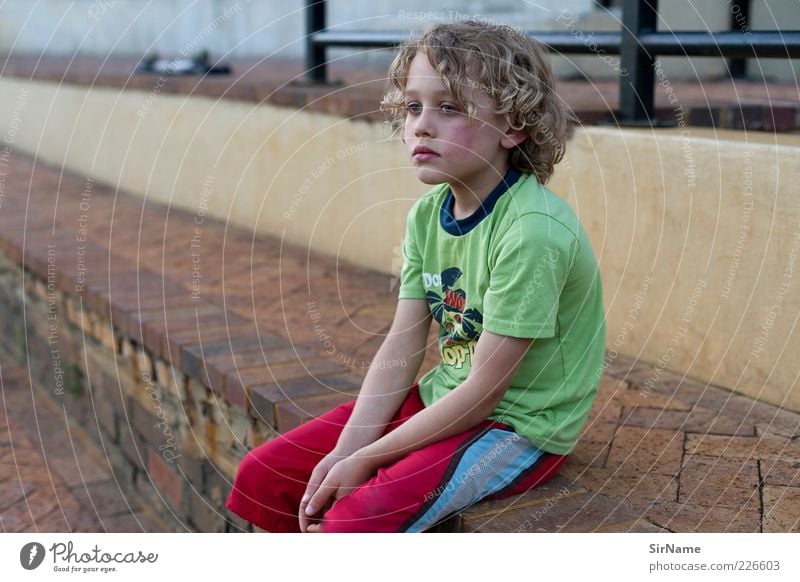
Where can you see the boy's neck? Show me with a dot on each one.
(468, 198)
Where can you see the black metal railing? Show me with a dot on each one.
(637, 45)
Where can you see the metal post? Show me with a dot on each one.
(740, 21)
(316, 65)
(636, 89)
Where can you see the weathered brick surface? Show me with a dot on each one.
(141, 321)
(781, 473)
(781, 509)
(594, 445)
(555, 489)
(715, 473)
(165, 478)
(291, 414)
(639, 525)
(265, 397)
(585, 512)
(205, 350)
(690, 517)
(237, 383)
(642, 450)
(705, 421)
(767, 447)
(218, 367)
(72, 489)
(624, 485)
(204, 516)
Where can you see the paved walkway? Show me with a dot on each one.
(679, 456)
(51, 480)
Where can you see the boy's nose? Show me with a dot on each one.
(424, 125)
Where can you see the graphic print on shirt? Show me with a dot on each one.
(459, 329)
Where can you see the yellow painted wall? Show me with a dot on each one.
(697, 232)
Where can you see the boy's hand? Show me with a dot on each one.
(317, 476)
(345, 476)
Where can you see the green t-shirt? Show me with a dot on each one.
(522, 266)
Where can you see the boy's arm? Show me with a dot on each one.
(390, 377)
(495, 361)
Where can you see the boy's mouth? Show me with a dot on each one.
(422, 154)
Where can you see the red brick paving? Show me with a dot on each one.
(52, 479)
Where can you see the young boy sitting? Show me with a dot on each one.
(505, 269)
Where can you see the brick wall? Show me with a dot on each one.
(173, 428)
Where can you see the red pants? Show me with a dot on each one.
(415, 493)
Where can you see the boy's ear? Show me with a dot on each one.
(512, 138)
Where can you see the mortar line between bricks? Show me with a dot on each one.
(610, 443)
(515, 506)
(680, 469)
(760, 497)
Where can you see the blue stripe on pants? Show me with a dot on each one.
(488, 465)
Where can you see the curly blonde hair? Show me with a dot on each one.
(504, 62)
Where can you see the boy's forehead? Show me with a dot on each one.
(422, 76)
(421, 73)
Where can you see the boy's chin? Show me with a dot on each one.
(431, 177)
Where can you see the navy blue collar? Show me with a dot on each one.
(464, 225)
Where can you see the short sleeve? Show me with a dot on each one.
(411, 274)
(529, 267)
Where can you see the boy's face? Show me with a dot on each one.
(444, 144)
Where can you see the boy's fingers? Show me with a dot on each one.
(319, 499)
(301, 515)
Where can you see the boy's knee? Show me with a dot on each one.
(259, 465)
